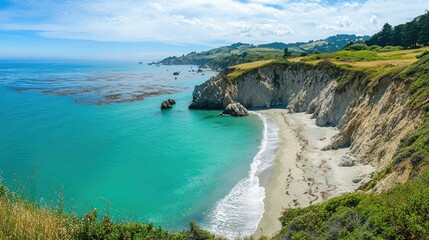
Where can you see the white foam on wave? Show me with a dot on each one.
(239, 212)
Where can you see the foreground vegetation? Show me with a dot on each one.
(21, 219)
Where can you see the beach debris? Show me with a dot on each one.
(168, 103)
(346, 161)
(235, 109)
(356, 179)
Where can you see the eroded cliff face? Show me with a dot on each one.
(300, 87)
(372, 118)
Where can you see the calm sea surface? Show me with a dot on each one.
(94, 132)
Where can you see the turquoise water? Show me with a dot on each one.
(59, 134)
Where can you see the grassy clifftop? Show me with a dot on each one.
(362, 57)
(374, 60)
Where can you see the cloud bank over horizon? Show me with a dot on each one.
(203, 22)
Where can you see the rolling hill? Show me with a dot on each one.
(237, 53)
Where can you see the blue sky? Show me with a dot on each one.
(130, 29)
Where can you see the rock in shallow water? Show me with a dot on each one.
(168, 103)
(165, 105)
(236, 110)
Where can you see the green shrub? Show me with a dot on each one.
(422, 54)
(357, 47)
(390, 48)
(375, 48)
(416, 159)
(399, 213)
(196, 233)
(3, 191)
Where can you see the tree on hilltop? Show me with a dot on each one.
(409, 35)
(287, 53)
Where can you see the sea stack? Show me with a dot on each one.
(236, 110)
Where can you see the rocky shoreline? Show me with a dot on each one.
(348, 116)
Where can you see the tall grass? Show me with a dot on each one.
(21, 219)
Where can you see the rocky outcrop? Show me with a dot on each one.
(236, 110)
(168, 103)
(372, 118)
(300, 87)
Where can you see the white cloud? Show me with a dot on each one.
(205, 21)
(351, 4)
(374, 20)
(341, 24)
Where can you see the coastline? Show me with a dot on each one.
(240, 211)
(302, 174)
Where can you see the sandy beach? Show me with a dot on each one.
(302, 173)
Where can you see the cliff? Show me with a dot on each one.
(370, 112)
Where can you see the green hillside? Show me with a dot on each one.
(238, 53)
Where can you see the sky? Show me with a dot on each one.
(153, 29)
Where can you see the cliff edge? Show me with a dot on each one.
(370, 111)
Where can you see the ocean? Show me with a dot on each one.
(90, 134)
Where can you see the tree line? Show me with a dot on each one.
(409, 35)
